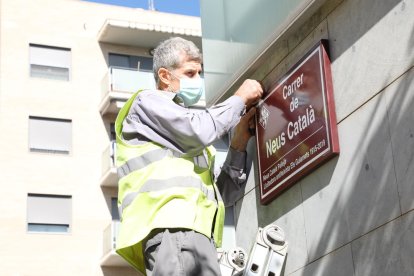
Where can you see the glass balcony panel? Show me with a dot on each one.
(109, 176)
(131, 80)
(110, 257)
(110, 235)
(118, 85)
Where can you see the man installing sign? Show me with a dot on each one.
(172, 213)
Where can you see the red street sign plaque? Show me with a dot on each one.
(296, 125)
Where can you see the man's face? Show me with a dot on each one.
(188, 69)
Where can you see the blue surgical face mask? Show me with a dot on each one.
(191, 90)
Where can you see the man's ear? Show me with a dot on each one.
(164, 76)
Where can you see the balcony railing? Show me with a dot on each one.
(109, 176)
(110, 257)
(118, 85)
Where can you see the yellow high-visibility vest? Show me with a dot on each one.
(159, 188)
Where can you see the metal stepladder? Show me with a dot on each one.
(267, 256)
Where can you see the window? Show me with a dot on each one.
(113, 144)
(50, 135)
(134, 62)
(49, 62)
(112, 134)
(49, 213)
(114, 208)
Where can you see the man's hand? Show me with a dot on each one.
(242, 132)
(250, 91)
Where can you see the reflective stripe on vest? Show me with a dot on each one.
(147, 158)
(159, 185)
(142, 161)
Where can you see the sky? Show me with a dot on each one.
(186, 7)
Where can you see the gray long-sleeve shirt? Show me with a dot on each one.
(154, 116)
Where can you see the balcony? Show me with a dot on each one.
(150, 30)
(110, 257)
(109, 176)
(119, 84)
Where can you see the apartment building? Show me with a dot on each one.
(66, 68)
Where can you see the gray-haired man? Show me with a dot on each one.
(184, 212)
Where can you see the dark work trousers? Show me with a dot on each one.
(180, 252)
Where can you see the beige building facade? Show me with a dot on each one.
(66, 67)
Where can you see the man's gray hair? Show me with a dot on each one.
(168, 54)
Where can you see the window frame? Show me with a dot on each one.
(50, 150)
(114, 209)
(29, 219)
(69, 66)
(131, 59)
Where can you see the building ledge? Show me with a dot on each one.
(110, 178)
(113, 102)
(145, 35)
(113, 259)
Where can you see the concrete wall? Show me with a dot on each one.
(70, 24)
(353, 215)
